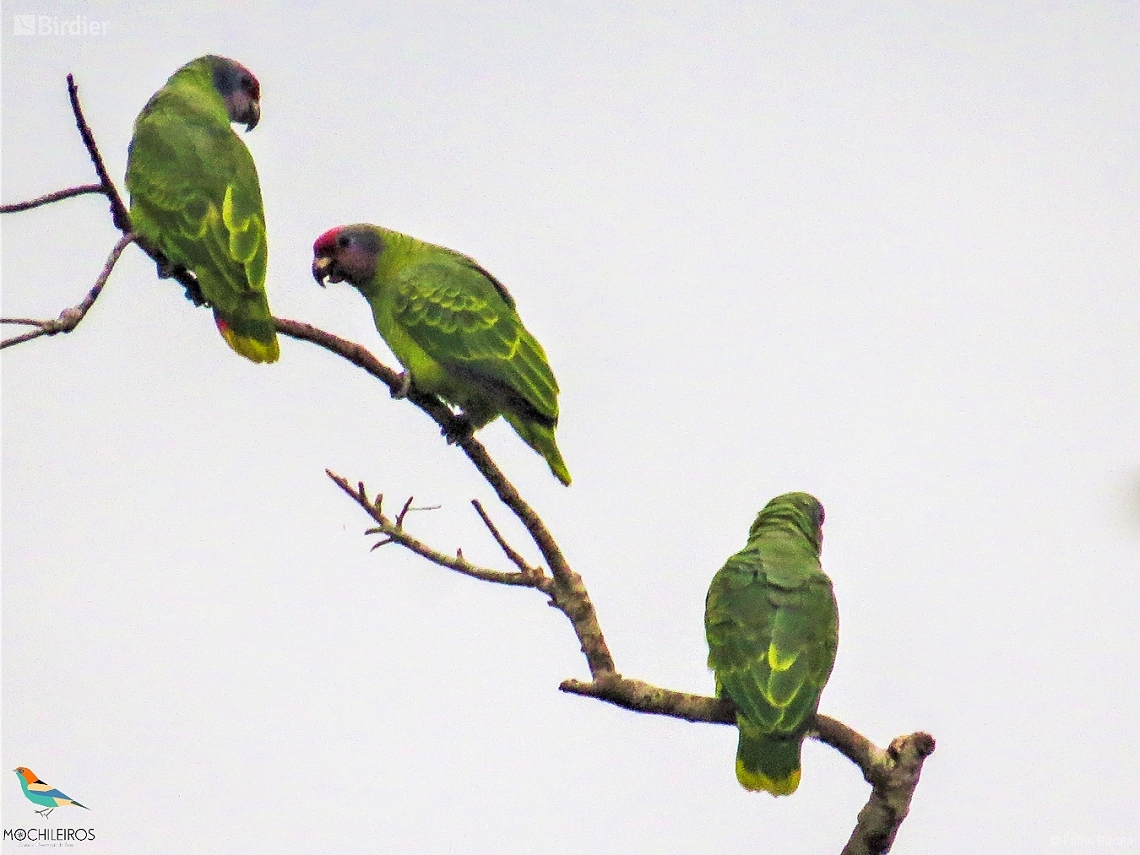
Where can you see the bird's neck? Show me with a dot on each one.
(398, 249)
(194, 87)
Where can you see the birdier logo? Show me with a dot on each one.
(52, 25)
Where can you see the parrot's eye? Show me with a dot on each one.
(343, 241)
(249, 86)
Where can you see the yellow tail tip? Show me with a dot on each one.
(250, 348)
(758, 781)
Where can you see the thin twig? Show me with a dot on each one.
(403, 512)
(119, 214)
(508, 550)
(69, 318)
(22, 337)
(394, 532)
(48, 198)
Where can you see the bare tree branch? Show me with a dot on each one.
(514, 556)
(642, 697)
(893, 776)
(48, 198)
(69, 318)
(119, 215)
(393, 530)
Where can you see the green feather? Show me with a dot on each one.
(772, 626)
(455, 329)
(195, 198)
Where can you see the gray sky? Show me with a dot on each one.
(884, 253)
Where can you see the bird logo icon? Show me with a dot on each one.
(45, 795)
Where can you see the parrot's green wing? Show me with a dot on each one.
(457, 314)
(195, 197)
(772, 627)
(465, 321)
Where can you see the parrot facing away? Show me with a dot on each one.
(196, 199)
(42, 794)
(453, 327)
(773, 628)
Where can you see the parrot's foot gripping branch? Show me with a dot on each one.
(461, 428)
(405, 386)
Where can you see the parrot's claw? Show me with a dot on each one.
(169, 270)
(401, 391)
(166, 268)
(461, 428)
(194, 293)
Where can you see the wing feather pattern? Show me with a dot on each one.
(464, 319)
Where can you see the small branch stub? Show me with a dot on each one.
(894, 776)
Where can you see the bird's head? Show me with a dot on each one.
(800, 512)
(239, 89)
(347, 254)
(26, 773)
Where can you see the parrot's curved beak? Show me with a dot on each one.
(252, 116)
(321, 265)
(244, 108)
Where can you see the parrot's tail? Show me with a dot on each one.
(256, 349)
(541, 439)
(766, 761)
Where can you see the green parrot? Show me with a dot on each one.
(453, 327)
(773, 627)
(195, 197)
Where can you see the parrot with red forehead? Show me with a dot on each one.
(196, 199)
(454, 328)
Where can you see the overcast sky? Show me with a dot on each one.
(885, 253)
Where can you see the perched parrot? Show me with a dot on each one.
(195, 197)
(44, 795)
(453, 327)
(773, 627)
